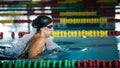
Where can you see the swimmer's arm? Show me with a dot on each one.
(33, 52)
(36, 47)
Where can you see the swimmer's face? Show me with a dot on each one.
(48, 29)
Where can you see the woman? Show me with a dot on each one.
(34, 44)
(37, 44)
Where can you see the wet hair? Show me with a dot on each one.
(41, 21)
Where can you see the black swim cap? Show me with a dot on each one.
(41, 21)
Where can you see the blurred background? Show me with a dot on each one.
(89, 27)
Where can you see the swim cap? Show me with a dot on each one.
(41, 21)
